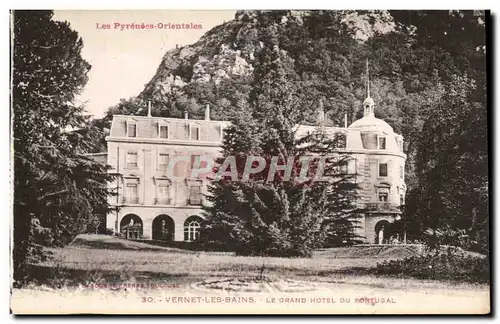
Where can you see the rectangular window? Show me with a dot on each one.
(401, 172)
(163, 131)
(162, 161)
(193, 161)
(344, 168)
(131, 159)
(195, 194)
(381, 143)
(382, 196)
(203, 163)
(164, 193)
(132, 193)
(195, 133)
(353, 166)
(382, 170)
(131, 130)
(181, 169)
(401, 199)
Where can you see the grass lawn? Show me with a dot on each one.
(336, 275)
(106, 259)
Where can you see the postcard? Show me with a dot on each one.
(250, 162)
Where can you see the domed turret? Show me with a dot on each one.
(369, 122)
(369, 107)
(368, 102)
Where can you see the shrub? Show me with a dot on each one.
(439, 267)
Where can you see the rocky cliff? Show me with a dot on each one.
(218, 68)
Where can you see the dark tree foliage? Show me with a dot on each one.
(449, 151)
(58, 191)
(452, 168)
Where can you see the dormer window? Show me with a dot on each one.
(381, 143)
(340, 140)
(195, 132)
(162, 131)
(399, 143)
(131, 129)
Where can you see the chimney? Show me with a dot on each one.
(345, 120)
(149, 108)
(207, 112)
(321, 114)
(185, 114)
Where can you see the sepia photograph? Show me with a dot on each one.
(250, 162)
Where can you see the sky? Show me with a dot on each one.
(123, 61)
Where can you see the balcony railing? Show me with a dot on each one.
(381, 206)
(163, 201)
(195, 201)
(130, 200)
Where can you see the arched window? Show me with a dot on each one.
(163, 228)
(192, 227)
(131, 227)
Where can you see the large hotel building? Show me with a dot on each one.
(152, 205)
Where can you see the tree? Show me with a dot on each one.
(277, 216)
(58, 190)
(443, 61)
(452, 167)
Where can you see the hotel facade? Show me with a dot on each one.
(157, 205)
